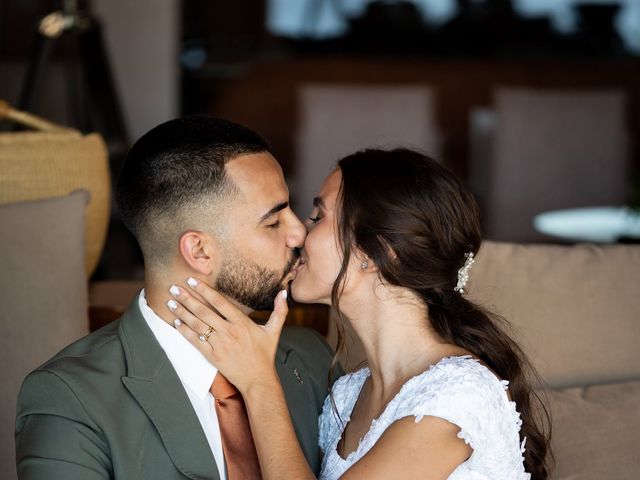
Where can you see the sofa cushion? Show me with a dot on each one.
(43, 295)
(575, 309)
(37, 165)
(596, 432)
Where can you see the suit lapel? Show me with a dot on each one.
(155, 385)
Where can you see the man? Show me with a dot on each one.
(134, 400)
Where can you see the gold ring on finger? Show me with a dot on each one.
(205, 336)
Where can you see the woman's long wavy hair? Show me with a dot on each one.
(416, 221)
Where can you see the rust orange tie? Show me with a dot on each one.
(237, 442)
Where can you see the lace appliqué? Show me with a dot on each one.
(457, 389)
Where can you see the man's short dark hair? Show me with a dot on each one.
(177, 165)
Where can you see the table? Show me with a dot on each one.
(594, 224)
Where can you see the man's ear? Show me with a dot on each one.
(199, 250)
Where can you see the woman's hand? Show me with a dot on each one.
(240, 349)
(244, 352)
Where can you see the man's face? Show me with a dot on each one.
(259, 247)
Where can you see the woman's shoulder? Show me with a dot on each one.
(464, 392)
(459, 389)
(453, 380)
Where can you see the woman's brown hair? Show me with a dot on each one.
(416, 220)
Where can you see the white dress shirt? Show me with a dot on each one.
(196, 374)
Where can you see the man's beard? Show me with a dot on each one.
(249, 283)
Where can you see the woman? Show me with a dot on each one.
(445, 394)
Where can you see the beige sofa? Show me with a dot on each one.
(576, 311)
(43, 293)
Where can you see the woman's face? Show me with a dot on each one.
(321, 259)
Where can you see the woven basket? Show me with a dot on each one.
(55, 161)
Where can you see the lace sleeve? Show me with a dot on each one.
(469, 396)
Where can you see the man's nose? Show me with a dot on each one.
(297, 232)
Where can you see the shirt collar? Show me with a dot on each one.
(192, 367)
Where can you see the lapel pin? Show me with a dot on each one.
(297, 374)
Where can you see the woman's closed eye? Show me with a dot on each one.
(315, 219)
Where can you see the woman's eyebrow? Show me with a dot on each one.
(318, 202)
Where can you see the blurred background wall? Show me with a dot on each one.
(535, 103)
(143, 38)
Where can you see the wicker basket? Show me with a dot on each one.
(55, 161)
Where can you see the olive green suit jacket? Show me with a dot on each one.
(112, 406)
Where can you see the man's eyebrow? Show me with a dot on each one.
(276, 209)
(318, 202)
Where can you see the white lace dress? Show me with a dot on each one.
(458, 389)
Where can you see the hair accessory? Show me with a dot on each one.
(364, 264)
(463, 273)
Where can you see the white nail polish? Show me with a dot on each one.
(285, 294)
(177, 322)
(172, 304)
(192, 282)
(175, 291)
